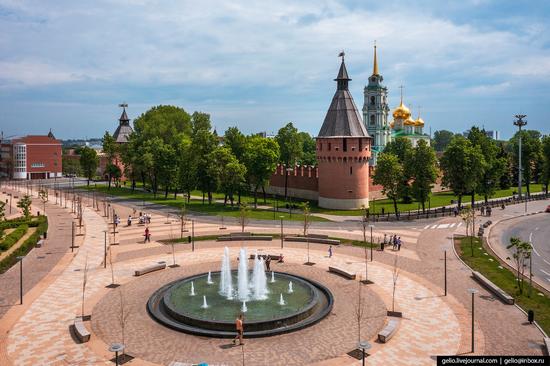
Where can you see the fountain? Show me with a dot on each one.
(242, 289)
(226, 282)
(177, 306)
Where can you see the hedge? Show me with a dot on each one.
(42, 227)
(13, 237)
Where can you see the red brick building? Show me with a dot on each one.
(31, 157)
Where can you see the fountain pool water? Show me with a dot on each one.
(175, 304)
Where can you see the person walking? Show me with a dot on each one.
(129, 220)
(394, 242)
(239, 327)
(268, 263)
(399, 243)
(330, 251)
(147, 235)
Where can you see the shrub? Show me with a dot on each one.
(42, 227)
(14, 237)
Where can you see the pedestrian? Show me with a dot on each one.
(268, 263)
(394, 242)
(482, 210)
(239, 327)
(147, 235)
(117, 220)
(399, 243)
(129, 220)
(455, 211)
(489, 211)
(281, 259)
(330, 251)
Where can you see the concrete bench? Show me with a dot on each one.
(153, 268)
(234, 237)
(388, 331)
(80, 331)
(503, 296)
(313, 239)
(342, 272)
(547, 345)
(271, 256)
(244, 233)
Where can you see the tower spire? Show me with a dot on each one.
(375, 67)
(342, 79)
(401, 87)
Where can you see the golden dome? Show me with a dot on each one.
(419, 122)
(401, 112)
(409, 121)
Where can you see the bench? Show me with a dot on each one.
(244, 233)
(312, 238)
(547, 345)
(388, 331)
(153, 268)
(503, 296)
(244, 236)
(271, 256)
(80, 331)
(342, 272)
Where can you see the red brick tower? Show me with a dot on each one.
(343, 152)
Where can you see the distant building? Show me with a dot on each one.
(493, 134)
(31, 157)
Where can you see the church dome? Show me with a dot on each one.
(419, 122)
(401, 112)
(409, 121)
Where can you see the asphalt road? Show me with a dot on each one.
(537, 230)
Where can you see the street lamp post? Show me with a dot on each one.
(105, 249)
(364, 346)
(282, 235)
(444, 248)
(472, 291)
(192, 235)
(116, 348)
(519, 122)
(371, 242)
(20, 258)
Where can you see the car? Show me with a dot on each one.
(547, 209)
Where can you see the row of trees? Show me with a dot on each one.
(475, 164)
(175, 151)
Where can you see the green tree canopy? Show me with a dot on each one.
(260, 158)
(422, 163)
(403, 149)
(290, 145)
(530, 154)
(236, 141)
(88, 162)
(164, 121)
(309, 149)
(389, 174)
(442, 138)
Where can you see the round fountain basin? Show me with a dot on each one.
(173, 306)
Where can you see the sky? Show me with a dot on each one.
(66, 65)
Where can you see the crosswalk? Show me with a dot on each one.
(443, 226)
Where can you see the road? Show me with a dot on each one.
(536, 229)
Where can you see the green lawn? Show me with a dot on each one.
(197, 206)
(438, 199)
(506, 280)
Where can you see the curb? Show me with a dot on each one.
(516, 305)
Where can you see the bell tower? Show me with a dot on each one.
(376, 109)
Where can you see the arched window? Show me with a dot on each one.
(372, 100)
(372, 119)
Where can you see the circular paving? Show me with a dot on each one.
(145, 338)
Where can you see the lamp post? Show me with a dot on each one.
(472, 291)
(444, 248)
(116, 348)
(519, 122)
(192, 235)
(364, 346)
(20, 259)
(105, 249)
(371, 227)
(282, 235)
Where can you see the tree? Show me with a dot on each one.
(468, 215)
(88, 162)
(243, 216)
(114, 173)
(462, 165)
(203, 144)
(260, 157)
(84, 283)
(309, 149)
(505, 180)
(2, 210)
(395, 277)
(530, 154)
(236, 141)
(364, 225)
(187, 167)
(403, 149)
(305, 226)
(123, 315)
(359, 309)
(290, 145)
(495, 167)
(231, 173)
(442, 139)
(110, 147)
(522, 253)
(545, 179)
(422, 163)
(25, 205)
(71, 166)
(389, 174)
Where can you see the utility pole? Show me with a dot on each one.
(519, 122)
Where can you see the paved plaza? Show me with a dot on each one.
(38, 331)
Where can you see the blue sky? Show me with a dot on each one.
(67, 64)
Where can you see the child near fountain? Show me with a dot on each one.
(239, 326)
